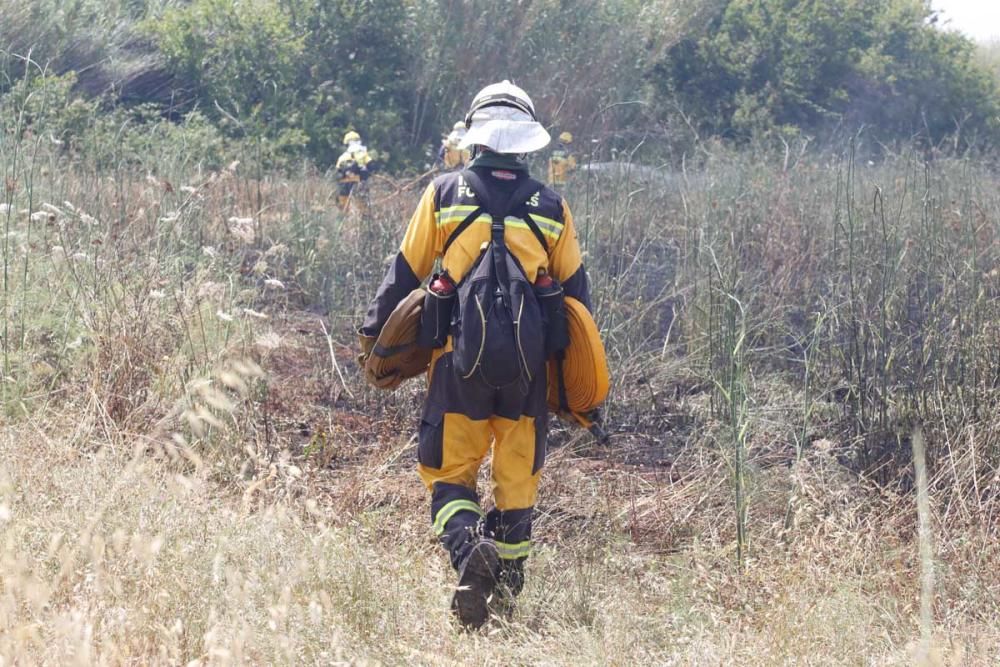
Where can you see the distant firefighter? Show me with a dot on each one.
(561, 160)
(450, 156)
(353, 168)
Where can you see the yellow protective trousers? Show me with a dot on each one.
(462, 420)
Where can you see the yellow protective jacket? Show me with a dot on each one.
(445, 203)
(453, 156)
(352, 165)
(561, 163)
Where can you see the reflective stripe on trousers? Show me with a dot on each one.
(460, 423)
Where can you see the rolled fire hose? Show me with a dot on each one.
(396, 355)
(585, 378)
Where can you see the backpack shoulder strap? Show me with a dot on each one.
(519, 200)
(469, 219)
(524, 192)
(481, 192)
(533, 226)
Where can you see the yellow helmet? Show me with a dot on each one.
(351, 136)
(566, 138)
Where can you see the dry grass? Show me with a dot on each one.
(191, 470)
(110, 558)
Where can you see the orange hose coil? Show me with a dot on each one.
(397, 356)
(585, 368)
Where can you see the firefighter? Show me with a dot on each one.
(353, 168)
(463, 419)
(561, 161)
(451, 156)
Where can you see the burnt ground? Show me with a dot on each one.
(309, 402)
(357, 445)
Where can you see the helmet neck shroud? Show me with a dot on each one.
(502, 118)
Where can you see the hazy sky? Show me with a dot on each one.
(979, 19)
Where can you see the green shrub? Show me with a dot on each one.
(770, 65)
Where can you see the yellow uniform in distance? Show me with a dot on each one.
(352, 169)
(561, 163)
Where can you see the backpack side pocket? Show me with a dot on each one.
(552, 301)
(435, 319)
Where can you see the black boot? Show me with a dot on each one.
(512, 576)
(511, 529)
(477, 581)
(510, 582)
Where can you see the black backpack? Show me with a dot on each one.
(498, 333)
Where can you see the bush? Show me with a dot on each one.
(240, 60)
(764, 66)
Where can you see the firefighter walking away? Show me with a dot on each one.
(450, 156)
(561, 161)
(495, 313)
(353, 168)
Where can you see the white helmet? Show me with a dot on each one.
(502, 118)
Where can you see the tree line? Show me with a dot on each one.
(292, 76)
